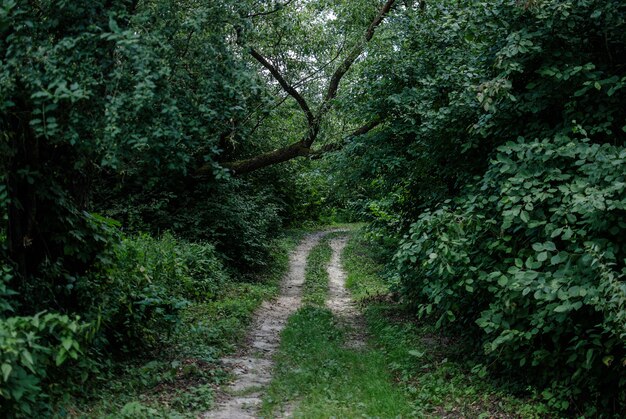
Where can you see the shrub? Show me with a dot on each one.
(534, 256)
(32, 350)
(140, 294)
(132, 301)
(236, 215)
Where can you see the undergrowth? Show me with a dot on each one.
(429, 367)
(177, 378)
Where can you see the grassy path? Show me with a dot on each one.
(346, 350)
(320, 372)
(253, 367)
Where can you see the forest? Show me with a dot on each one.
(451, 172)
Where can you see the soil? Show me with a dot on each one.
(253, 366)
(339, 298)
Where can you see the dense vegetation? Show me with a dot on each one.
(482, 141)
(502, 169)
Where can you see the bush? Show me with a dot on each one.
(534, 256)
(238, 216)
(150, 280)
(131, 302)
(242, 223)
(32, 350)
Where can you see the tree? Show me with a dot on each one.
(110, 89)
(313, 118)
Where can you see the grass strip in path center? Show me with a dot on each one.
(318, 374)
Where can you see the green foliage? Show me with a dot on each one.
(133, 303)
(139, 297)
(243, 223)
(177, 379)
(33, 351)
(501, 165)
(536, 260)
(432, 369)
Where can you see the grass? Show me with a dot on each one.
(325, 379)
(315, 288)
(177, 381)
(426, 365)
(317, 372)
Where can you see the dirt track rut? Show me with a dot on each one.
(253, 367)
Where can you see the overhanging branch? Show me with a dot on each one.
(284, 84)
(292, 151)
(355, 52)
(336, 146)
(302, 148)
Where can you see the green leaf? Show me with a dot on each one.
(415, 353)
(61, 357)
(6, 371)
(524, 216)
(27, 358)
(538, 247)
(67, 343)
(550, 246)
(563, 308)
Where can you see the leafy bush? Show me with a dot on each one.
(502, 165)
(534, 255)
(240, 217)
(141, 293)
(32, 350)
(133, 300)
(242, 223)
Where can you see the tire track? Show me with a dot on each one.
(339, 298)
(253, 367)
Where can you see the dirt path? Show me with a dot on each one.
(253, 367)
(339, 298)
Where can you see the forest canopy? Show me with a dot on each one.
(151, 150)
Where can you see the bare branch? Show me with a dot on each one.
(336, 146)
(284, 84)
(260, 161)
(283, 154)
(354, 54)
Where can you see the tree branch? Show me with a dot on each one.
(260, 161)
(302, 148)
(284, 84)
(336, 146)
(354, 54)
(283, 154)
